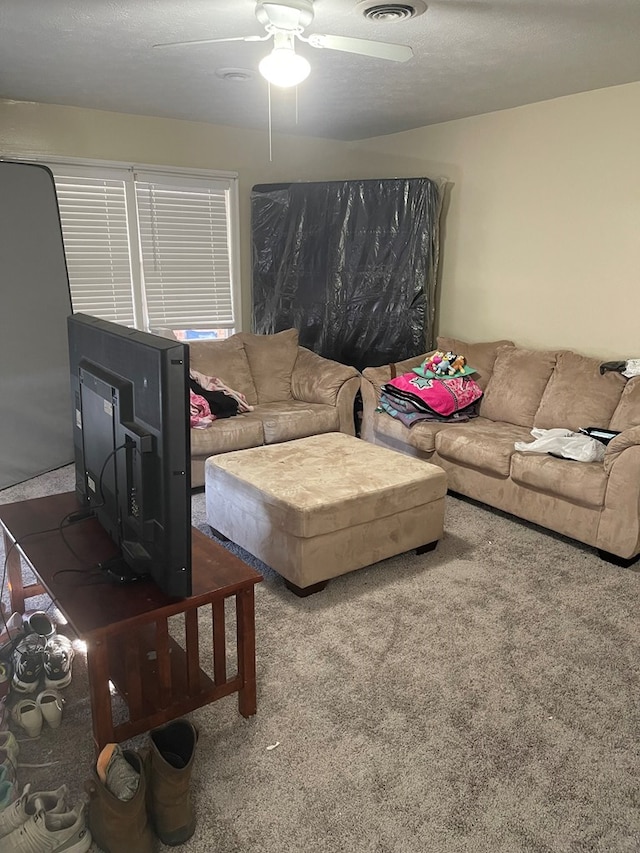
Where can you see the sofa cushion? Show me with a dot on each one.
(291, 419)
(422, 435)
(227, 434)
(271, 359)
(584, 483)
(226, 360)
(481, 444)
(627, 413)
(480, 356)
(577, 395)
(517, 384)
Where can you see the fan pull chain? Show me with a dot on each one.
(270, 130)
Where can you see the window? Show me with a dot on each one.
(150, 248)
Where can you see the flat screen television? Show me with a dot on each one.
(130, 400)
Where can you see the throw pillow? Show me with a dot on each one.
(227, 360)
(627, 413)
(577, 395)
(517, 384)
(272, 359)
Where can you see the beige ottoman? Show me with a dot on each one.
(319, 507)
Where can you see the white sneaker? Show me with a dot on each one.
(28, 804)
(27, 714)
(44, 832)
(10, 745)
(12, 629)
(50, 703)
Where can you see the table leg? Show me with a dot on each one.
(246, 643)
(98, 672)
(14, 574)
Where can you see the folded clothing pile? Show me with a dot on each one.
(424, 394)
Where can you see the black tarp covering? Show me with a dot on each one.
(350, 264)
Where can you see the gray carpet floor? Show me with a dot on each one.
(482, 697)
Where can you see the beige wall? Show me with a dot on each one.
(29, 130)
(542, 239)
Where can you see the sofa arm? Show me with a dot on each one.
(377, 377)
(617, 446)
(316, 379)
(373, 380)
(619, 524)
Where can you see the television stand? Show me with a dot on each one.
(132, 631)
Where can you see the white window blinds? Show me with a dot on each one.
(93, 213)
(150, 248)
(184, 244)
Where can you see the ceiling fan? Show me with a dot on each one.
(285, 21)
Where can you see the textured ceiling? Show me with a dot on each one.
(470, 57)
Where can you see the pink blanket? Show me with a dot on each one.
(443, 396)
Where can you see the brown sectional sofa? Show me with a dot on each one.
(596, 502)
(294, 393)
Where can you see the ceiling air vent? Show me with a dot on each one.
(235, 75)
(375, 11)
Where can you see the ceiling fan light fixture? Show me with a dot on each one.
(283, 66)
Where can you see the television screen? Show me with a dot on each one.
(130, 398)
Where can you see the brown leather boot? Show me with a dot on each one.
(169, 762)
(116, 824)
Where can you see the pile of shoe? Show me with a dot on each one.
(41, 822)
(36, 663)
(134, 795)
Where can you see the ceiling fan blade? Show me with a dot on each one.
(377, 49)
(212, 41)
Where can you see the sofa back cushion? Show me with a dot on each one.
(517, 384)
(480, 356)
(271, 359)
(627, 413)
(577, 395)
(226, 360)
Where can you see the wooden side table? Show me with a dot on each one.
(126, 628)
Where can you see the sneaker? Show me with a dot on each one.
(50, 703)
(58, 657)
(5, 679)
(27, 664)
(7, 773)
(39, 623)
(8, 794)
(28, 715)
(44, 832)
(27, 804)
(12, 630)
(9, 744)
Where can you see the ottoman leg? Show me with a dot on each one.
(431, 546)
(304, 591)
(218, 535)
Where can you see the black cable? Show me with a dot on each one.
(68, 520)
